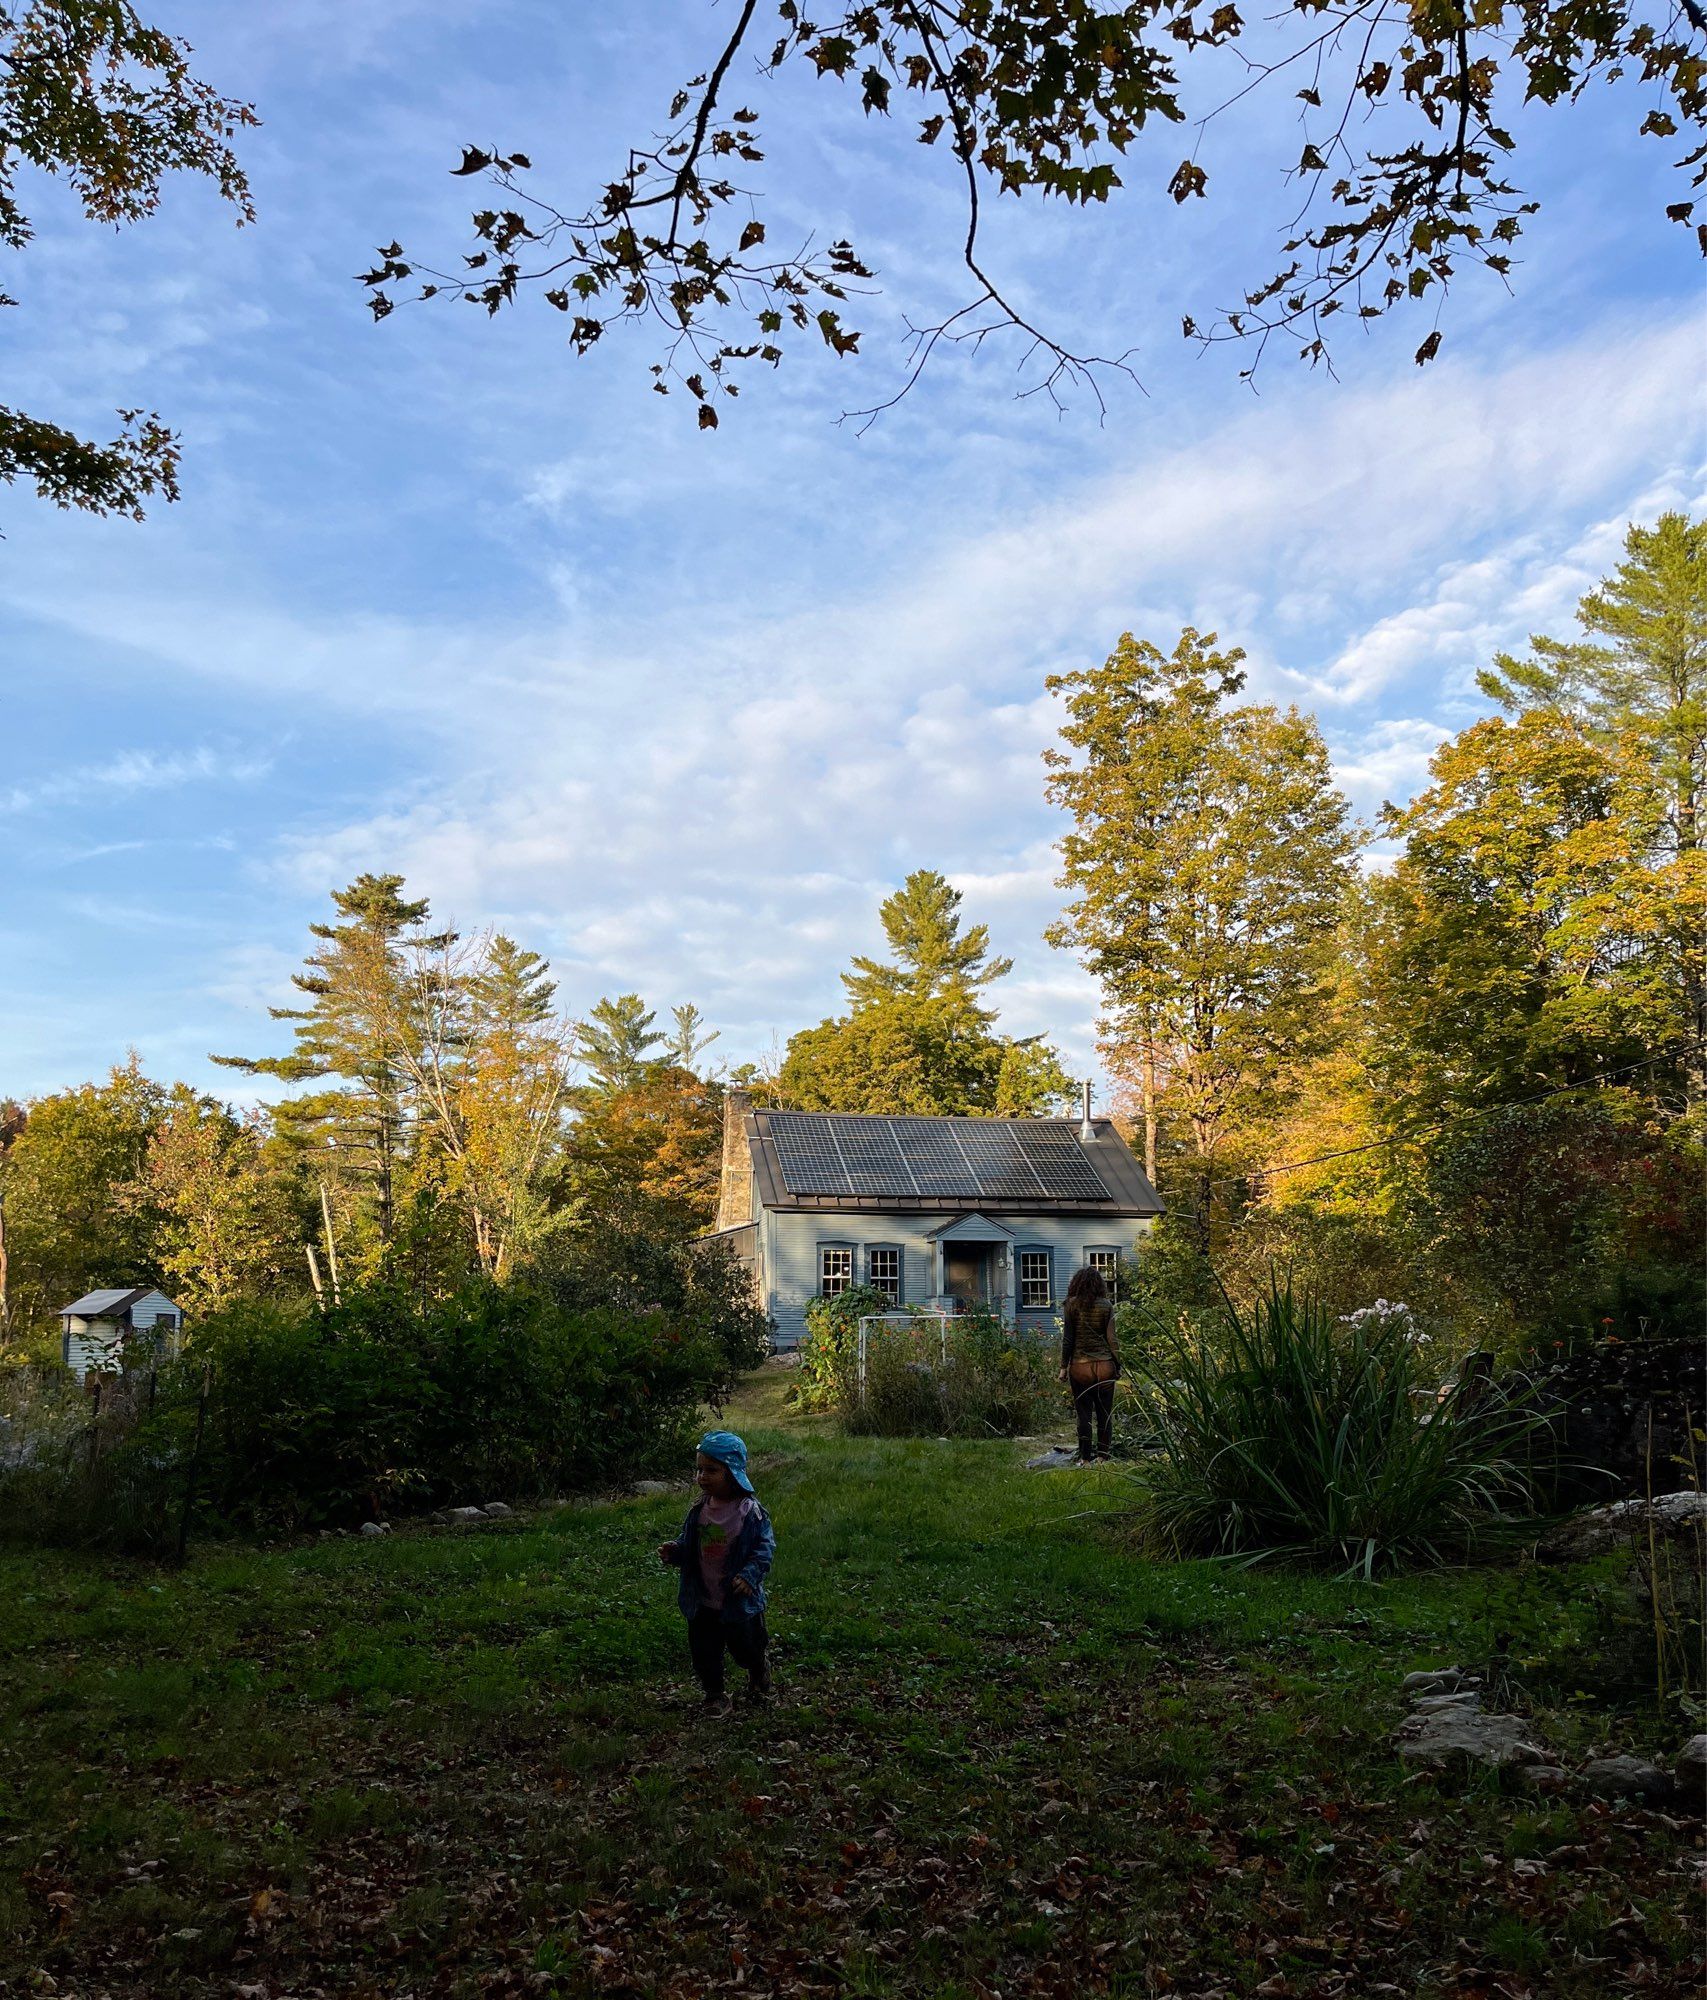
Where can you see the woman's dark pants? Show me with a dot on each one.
(1094, 1401)
(709, 1633)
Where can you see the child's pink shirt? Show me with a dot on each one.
(719, 1524)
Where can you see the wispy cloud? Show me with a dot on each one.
(129, 772)
(680, 708)
(728, 832)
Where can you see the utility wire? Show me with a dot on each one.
(1475, 1111)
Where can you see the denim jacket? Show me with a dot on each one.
(750, 1556)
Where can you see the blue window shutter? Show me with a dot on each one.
(1054, 1295)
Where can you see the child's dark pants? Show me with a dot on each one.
(709, 1633)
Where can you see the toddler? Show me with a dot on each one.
(724, 1552)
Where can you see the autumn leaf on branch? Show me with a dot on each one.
(1048, 101)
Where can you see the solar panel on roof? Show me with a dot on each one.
(985, 1160)
(1060, 1163)
(1001, 1168)
(937, 1163)
(806, 1151)
(874, 1160)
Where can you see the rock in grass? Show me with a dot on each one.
(1626, 1524)
(651, 1488)
(375, 1528)
(495, 1510)
(1626, 1778)
(464, 1514)
(1052, 1460)
(1689, 1766)
(1430, 1704)
(1432, 1680)
(1458, 1735)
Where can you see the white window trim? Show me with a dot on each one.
(848, 1280)
(895, 1250)
(1110, 1272)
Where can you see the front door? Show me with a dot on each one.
(968, 1273)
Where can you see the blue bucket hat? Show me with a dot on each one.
(730, 1452)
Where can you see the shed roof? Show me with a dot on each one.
(844, 1162)
(108, 1304)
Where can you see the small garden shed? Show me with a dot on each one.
(99, 1326)
(946, 1213)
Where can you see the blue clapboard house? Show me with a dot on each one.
(940, 1212)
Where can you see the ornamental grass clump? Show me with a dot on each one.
(1287, 1431)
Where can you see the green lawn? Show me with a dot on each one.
(1008, 1757)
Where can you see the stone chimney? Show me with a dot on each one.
(735, 1188)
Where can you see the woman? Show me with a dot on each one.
(1090, 1358)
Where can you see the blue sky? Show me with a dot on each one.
(679, 710)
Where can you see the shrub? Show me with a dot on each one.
(974, 1378)
(383, 1402)
(633, 1263)
(1288, 1431)
(829, 1351)
(98, 1471)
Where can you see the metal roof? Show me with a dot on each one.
(909, 1165)
(107, 1304)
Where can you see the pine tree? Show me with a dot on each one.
(916, 1037)
(691, 1038)
(362, 1026)
(932, 961)
(615, 1042)
(511, 989)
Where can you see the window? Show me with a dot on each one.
(835, 1268)
(1108, 1263)
(1033, 1279)
(883, 1269)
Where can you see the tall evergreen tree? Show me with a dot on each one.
(361, 1026)
(690, 1038)
(917, 1037)
(931, 959)
(616, 1041)
(1208, 858)
(511, 988)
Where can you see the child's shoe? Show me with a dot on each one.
(760, 1687)
(715, 1704)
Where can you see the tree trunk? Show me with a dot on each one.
(1148, 1088)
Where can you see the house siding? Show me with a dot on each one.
(95, 1341)
(789, 1241)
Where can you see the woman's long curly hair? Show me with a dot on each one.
(1087, 1286)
